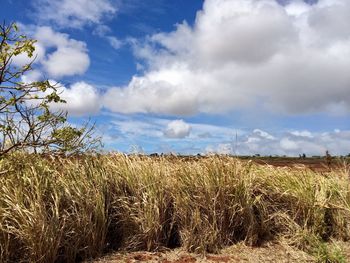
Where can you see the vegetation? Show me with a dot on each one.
(69, 209)
(56, 209)
(26, 121)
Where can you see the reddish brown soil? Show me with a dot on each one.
(319, 164)
(315, 164)
(237, 253)
(224, 259)
(270, 252)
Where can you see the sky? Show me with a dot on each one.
(239, 77)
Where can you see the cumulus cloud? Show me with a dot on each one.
(288, 144)
(56, 55)
(81, 99)
(262, 134)
(241, 54)
(66, 62)
(32, 76)
(23, 59)
(221, 148)
(69, 56)
(73, 13)
(177, 129)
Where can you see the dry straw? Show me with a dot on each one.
(66, 210)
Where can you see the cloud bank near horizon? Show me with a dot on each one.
(193, 137)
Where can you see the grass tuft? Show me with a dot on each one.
(67, 210)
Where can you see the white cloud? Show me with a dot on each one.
(101, 30)
(81, 99)
(22, 59)
(222, 148)
(263, 134)
(161, 98)
(32, 76)
(114, 42)
(69, 56)
(336, 142)
(241, 54)
(331, 20)
(297, 8)
(56, 54)
(302, 133)
(288, 145)
(66, 61)
(155, 128)
(203, 138)
(177, 129)
(104, 32)
(73, 13)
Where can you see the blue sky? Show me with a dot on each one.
(228, 76)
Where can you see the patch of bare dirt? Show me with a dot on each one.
(236, 253)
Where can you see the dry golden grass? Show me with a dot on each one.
(66, 210)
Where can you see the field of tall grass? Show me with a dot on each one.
(68, 210)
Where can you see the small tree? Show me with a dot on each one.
(26, 121)
(328, 158)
